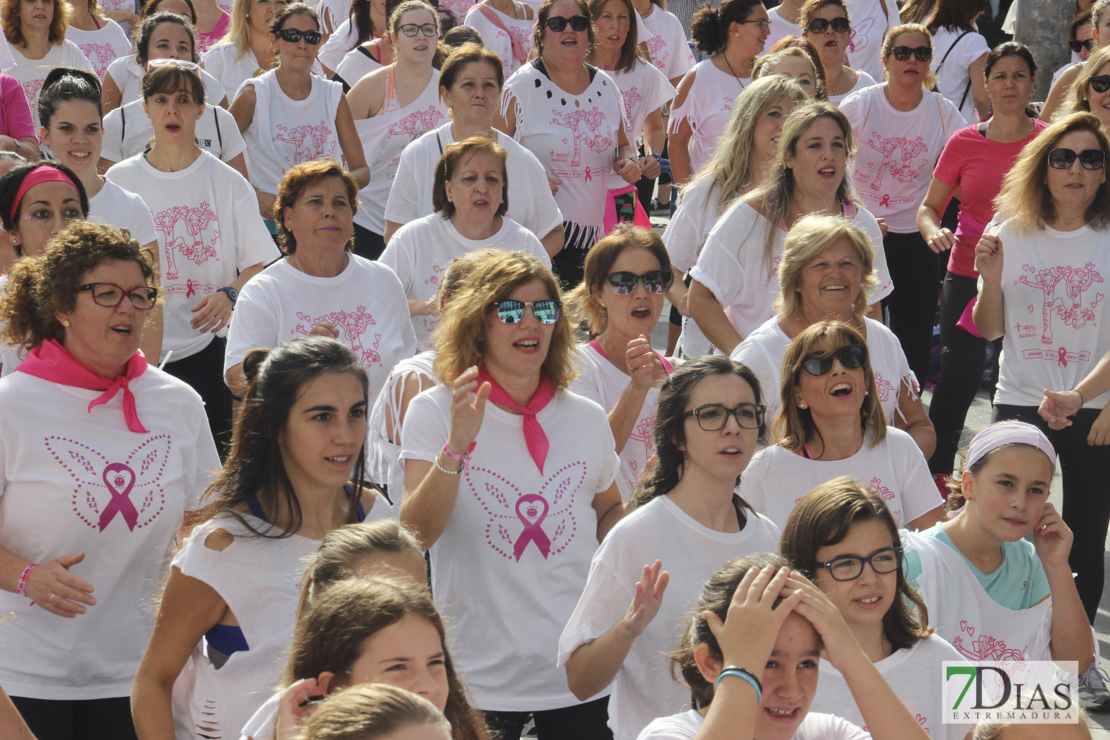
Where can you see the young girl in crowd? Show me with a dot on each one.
(377, 712)
(689, 520)
(751, 660)
(844, 535)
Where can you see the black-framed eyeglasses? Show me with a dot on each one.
(764, 25)
(850, 567)
(294, 35)
(1078, 46)
(1090, 159)
(712, 417)
(902, 53)
(820, 25)
(656, 281)
(1100, 83)
(851, 356)
(111, 295)
(411, 29)
(557, 23)
(512, 312)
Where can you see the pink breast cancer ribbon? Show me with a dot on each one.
(885, 202)
(529, 512)
(1062, 357)
(190, 288)
(116, 476)
(588, 175)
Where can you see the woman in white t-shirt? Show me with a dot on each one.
(1091, 90)
(100, 39)
(1045, 266)
(734, 283)
(289, 115)
(960, 55)
(842, 536)
(748, 145)
(94, 488)
(688, 519)
(621, 298)
(360, 44)
(506, 28)
(731, 36)
(827, 267)
(751, 658)
(226, 616)
(826, 25)
(832, 423)
(246, 50)
(471, 195)
(510, 478)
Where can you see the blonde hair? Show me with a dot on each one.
(763, 65)
(371, 711)
(929, 80)
(1077, 95)
(809, 237)
(239, 28)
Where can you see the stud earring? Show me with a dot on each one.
(65, 323)
(802, 405)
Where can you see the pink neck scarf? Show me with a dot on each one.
(52, 362)
(534, 435)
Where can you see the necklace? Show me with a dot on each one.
(730, 69)
(346, 261)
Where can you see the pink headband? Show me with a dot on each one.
(42, 173)
(1005, 433)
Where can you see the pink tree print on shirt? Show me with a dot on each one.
(185, 230)
(581, 124)
(1077, 280)
(910, 149)
(99, 56)
(1046, 280)
(352, 326)
(417, 123)
(309, 142)
(631, 99)
(656, 47)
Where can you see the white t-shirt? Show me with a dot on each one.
(644, 90)
(707, 108)
(667, 45)
(342, 40)
(745, 283)
(31, 73)
(1051, 283)
(209, 231)
(223, 62)
(765, 348)
(261, 726)
(954, 76)
(780, 28)
(531, 203)
(869, 26)
(365, 302)
(383, 456)
(862, 80)
(897, 151)
(61, 466)
(287, 132)
(128, 77)
(500, 40)
(574, 136)
(513, 560)
(355, 65)
(777, 478)
(117, 207)
(102, 46)
(913, 673)
(1065, 68)
(127, 131)
(814, 727)
(421, 251)
(644, 689)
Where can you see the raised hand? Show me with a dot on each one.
(747, 634)
(988, 259)
(643, 363)
(647, 599)
(1052, 537)
(815, 606)
(296, 705)
(468, 408)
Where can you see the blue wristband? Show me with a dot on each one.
(747, 676)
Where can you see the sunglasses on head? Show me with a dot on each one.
(1078, 46)
(851, 356)
(512, 312)
(183, 63)
(1090, 159)
(557, 23)
(820, 25)
(902, 53)
(411, 29)
(294, 36)
(1100, 83)
(656, 281)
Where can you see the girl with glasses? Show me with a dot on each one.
(688, 519)
(289, 115)
(826, 25)
(511, 478)
(843, 537)
(832, 423)
(392, 106)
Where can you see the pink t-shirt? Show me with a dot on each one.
(206, 41)
(15, 113)
(976, 165)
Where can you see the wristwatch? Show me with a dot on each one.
(232, 294)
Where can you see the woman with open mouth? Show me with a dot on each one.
(289, 115)
(1091, 91)
(734, 283)
(471, 195)
(511, 478)
(826, 270)
(213, 239)
(826, 25)
(831, 424)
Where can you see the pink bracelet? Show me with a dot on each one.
(22, 588)
(459, 458)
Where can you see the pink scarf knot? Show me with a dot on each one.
(534, 436)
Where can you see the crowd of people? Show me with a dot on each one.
(300, 411)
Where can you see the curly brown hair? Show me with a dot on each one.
(295, 181)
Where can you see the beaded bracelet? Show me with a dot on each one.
(22, 586)
(745, 674)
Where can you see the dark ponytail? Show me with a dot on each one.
(709, 27)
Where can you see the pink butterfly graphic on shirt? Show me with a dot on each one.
(416, 123)
(131, 489)
(583, 123)
(516, 520)
(656, 47)
(309, 142)
(352, 326)
(858, 41)
(99, 56)
(192, 232)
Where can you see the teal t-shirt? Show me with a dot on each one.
(1019, 583)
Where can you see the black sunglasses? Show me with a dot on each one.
(512, 312)
(656, 281)
(293, 36)
(1100, 83)
(851, 356)
(902, 53)
(820, 25)
(1078, 46)
(557, 23)
(1062, 159)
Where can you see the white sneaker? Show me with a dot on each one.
(1093, 694)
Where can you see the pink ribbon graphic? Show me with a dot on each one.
(530, 514)
(115, 478)
(885, 202)
(588, 175)
(190, 288)
(1062, 357)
